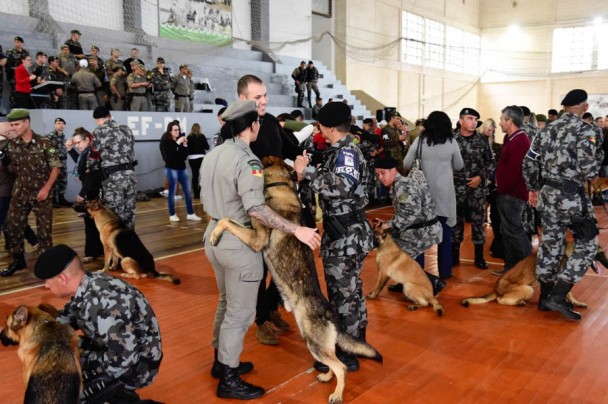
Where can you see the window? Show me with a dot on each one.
(601, 34)
(413, 44)
(433, 51)
(572, 49)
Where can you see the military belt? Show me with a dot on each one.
(86, 92)
(423, 224)
(180, 96)
(137, 95)
(119, 167)
(569, 187)
(349, 219)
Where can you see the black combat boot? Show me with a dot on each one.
(301, 100)
(438, 283)
(455, 254)
(545, 290)
(232, 386)
(244, 367)
(557, 301)
(397, 288)
(309, 103)
(17, 264)
(479, 261)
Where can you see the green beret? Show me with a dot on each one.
(53, 261)
(18, 114)
(238, 109)
(541, 117)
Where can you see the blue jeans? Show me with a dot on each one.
(182, 176)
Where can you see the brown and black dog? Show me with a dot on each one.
(49, 353)
(292, 266)
(394, 263)
(515, 287)
(120, 242)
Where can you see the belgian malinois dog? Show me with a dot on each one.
(394, 263)
(49, 353)
(120, 242)
(515, 287)
(291, 264)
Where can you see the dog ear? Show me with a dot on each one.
(20, 317)
(49, 309)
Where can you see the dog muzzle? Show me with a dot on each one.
(6, 341)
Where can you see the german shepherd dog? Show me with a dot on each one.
(291, 264)
(394, 263)
(49, 353)
(515, 287)
(120, 242)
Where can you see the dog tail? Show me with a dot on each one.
(167, 277)
(479, 300)
(357, 347)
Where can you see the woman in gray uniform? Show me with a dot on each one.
(232, 187)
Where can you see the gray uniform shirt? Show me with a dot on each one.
(85, 81)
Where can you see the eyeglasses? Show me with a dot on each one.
(76, 142)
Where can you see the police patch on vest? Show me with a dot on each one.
(256, 168)
(347, 165)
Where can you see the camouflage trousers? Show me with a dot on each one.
(162, 100)
(470, 206)
(20, 207)
(556, 216)
(345, 291)
(119, 192)
(62, 180)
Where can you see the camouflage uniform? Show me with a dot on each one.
(57, 140)
(413, 206)
(110, 64)
(139, 101)
(121, 336)
(162, 89)
(393, 146)
(120, 82)
(32, 164)
(115, 144)
(341, 183)
(566, 149)
(530, 130)
(470, 202)
(13, 57)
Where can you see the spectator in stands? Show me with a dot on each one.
(137, 85)
(312, 77)
(118, 88)
(67, 61)
(297, 115)
(299, 77)
(41, 70)
(551, 115)
(197, 148)
(23, 86)
(113, 62)
(95, 52)
(14, 59)
(317, 107)
(174, 150)
(101, 92)
(393, 137)
(217, 138)
(134, 58)
(74, 44)
(88, 171)
(541, 121)
(161, 81)
(57, 139)
(181, 88)
(86, 84)
(57, 74)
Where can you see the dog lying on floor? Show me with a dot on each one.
(49, 353)
(515, 287)
(394, 263)
(291, 264)
(120, 242)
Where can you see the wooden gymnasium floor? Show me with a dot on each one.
(482, 354)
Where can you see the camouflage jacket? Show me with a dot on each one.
(161, 81)
(341, 183)
(393, 145)
(58, 141)
(32, 162)
(477, 157)
(110, 64)
(413, 205)
(120, 330)
(14, 57)
(114, 142)
(566, 149)
(530, 130)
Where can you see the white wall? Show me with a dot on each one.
(15, 7)
(102, 14)
(291, 20)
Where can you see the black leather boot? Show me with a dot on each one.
(545, 290)
(244, 367)
(479, 261)
(397, 288)
(455, 254)
(557, 301)
(438, 284)
(17, 264)
(232, 386)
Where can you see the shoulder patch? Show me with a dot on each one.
(256, 168)
(52, 150)
(347, 165)
(592, 138)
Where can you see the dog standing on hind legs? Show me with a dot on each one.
(291, 265)
(49, 353)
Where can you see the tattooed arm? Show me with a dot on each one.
(271, 219)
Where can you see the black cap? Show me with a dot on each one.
(52, 59)
(469, 111)
(368, 120)
(552, 112)
(574, 97)
(310, 62)
(18, 38)
(525, 110)
(160, 60)
(334, 114)
(53, 261)
(303, 62)
(93, 47)
(385, 163)
(101, 112)
(75, 31)
(393, 114)
(59, 119)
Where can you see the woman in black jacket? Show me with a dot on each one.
(174, 150)
(88, 171)
(197, 147)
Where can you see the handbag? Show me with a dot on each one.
(417, 176)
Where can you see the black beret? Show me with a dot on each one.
(53, 261)
(18, 38)
(18, 114)
(525, 110)
(334, 114)
(75, 31)
(310, 62)
(574, 97)
(59, 119)
(386, 163)
(101, 112)
(552, 112)
(160, 60)
(52, 59)
(469, 111)
(393, 114)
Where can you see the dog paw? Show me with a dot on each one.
(372, 295)
(335, 398)
(412, 307)
(215, 237)
(325, 377)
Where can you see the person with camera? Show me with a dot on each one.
(563, 155)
